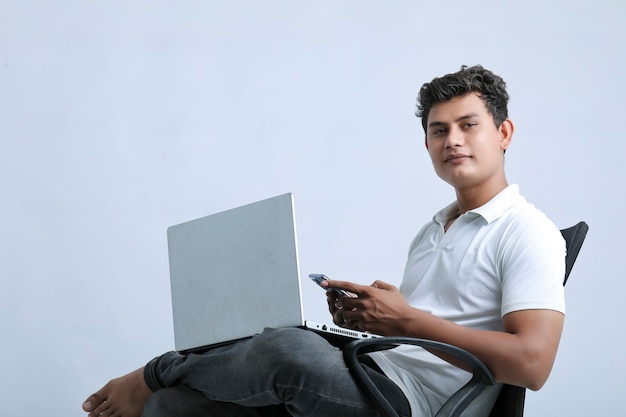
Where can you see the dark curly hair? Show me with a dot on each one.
(489, 86)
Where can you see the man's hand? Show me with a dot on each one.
(378, 308)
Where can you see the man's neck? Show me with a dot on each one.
(474, 197)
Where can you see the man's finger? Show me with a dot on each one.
(344, 285)
(382, 285)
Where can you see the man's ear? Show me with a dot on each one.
(506, 133)
(426, 142)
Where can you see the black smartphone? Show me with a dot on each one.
(318, 278)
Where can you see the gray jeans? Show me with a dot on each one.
(280, 372)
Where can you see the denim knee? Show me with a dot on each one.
(293, 355)
(286, 347)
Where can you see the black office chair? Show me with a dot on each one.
(510, 401)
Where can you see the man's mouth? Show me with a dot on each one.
(455, 157)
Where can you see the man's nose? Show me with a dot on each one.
(455, 138)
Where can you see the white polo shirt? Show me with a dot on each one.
(502, 257)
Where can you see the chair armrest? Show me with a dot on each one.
(453, 407)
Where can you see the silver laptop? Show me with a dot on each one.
(236, 272)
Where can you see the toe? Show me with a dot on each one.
(91, 402)
(102, 410)
(95, 401)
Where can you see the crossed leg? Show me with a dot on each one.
(293, 369)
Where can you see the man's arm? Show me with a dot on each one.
(522, 355)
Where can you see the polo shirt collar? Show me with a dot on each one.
(490, 211)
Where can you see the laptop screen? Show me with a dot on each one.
(234, 273)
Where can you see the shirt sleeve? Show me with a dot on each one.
(532, 265)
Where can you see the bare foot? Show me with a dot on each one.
(121, 397)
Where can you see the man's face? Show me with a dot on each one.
(466, 148)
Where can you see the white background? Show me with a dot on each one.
(119, 119)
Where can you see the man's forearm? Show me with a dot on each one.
(523, 355)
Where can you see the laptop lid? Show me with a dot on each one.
(234, 273)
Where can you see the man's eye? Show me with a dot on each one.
(470, 124)
(439, 131)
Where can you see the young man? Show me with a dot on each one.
(485, 275)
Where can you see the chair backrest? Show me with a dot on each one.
(510, 402)
(574, 237)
